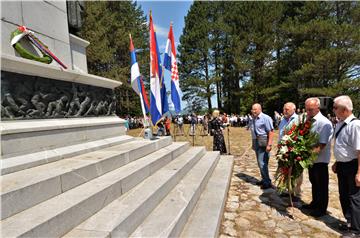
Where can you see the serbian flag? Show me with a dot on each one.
(171, 65)
(155, 76)
(136, 81)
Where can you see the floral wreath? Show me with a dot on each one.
(47, 57)
(295, 153)
(15, 38)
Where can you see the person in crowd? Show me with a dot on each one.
(167, 125)
(318, 173)
(216, 129)
(262, 131)
(290, 117)
(180, 123)
(161, 127)
(205, 124)
(193, 122)
(277, 118)
(347, 165)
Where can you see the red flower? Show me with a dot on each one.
(284, 170)
(298, 158)
(295, 138)
(290, 148)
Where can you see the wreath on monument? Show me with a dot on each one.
(47, 55)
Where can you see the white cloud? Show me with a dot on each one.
(161, 31)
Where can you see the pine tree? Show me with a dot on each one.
(107, 26)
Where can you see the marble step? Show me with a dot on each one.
(170, 216)
(21, 162)
(121, 217)
(205, 220)
(58, 215)
(26, 188)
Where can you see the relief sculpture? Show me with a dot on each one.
(31, 97)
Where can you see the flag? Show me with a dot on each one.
(155, 76)
(136, 81)
(171, 65)
(164, 100)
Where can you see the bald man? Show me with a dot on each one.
(262, 131)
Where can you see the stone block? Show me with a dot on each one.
(6, 29)
(11, 12)
(18, 200)
(63, 52)
(60, 4)
(78, 53)
(46, 19)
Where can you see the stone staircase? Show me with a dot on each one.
(118, 186)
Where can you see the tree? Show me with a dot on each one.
(107, 26)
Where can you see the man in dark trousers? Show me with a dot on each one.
(319, 173)
(347, 165)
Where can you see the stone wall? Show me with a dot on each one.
(48, 19)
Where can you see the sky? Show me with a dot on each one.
(164, 12)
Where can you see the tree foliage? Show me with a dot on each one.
(269, 52)
(107, 25)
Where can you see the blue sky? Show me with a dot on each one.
(164, 12)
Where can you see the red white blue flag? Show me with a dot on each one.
(155, 76)
(136, 81)
(171, 65)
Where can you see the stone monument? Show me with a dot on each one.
(41, 102)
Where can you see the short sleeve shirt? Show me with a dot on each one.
(323, 127)
(263, 125)
(286, 124)
(347, 144)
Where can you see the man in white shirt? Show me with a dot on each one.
(347, 165)
(318, 173)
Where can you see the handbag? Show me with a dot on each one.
(262, 141)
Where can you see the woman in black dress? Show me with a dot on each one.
(217, 126)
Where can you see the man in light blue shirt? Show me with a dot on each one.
(262, 132)
(318, 173)
(290, 118)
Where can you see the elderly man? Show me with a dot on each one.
(290, 117)
(318, 173)
(347, 165)
(262, 132)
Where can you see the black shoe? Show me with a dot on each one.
(351, 234)
(283, 194)
(295, 199)
(259, 183)
(308, 206)
(344, 226)
(317, 213)
(265, 186)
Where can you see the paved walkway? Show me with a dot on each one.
(252, 212)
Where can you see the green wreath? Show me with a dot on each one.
(26, 54)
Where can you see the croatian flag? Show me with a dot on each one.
(136, 80)
(171, 65)
(155, 76)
